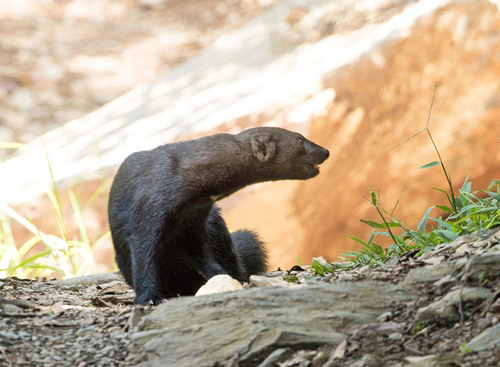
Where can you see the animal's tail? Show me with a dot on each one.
(250, 251)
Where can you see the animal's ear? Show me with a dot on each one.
(263, 148)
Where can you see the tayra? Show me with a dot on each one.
(168, 235)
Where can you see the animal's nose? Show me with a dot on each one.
(326, 153)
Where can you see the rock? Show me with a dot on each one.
(489, 338)
(114, 287)
(495, 307)
(377, 328)
(136, 315)
(19, 304)
(444, 281)
(484, 323)
(391, 263)
(251, 322)
(465, 249)
(338, 352)
(319, 359)
(444, 360)
(395, 336)
(365, 361)
(8, 337)
(302, 358)
(8, 308)
(434, 260)
(484, 267)
(431, 273)
(219, 284)
(446, 309)
(386, 316)
(86, 281)
(263, 281)
(276, 356)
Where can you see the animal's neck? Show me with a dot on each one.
(216, 168)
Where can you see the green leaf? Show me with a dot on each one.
(373, 224)
(492, 185)
(464, 348)
(321, 268)
(33, 258)
(423, 223)
(467, 186)
(374, 198)
(440, 190)
(495, 196)
(357, 240)
(446, 235)
(318, 268)
(393, 224)
(445, 208)
(429, 165)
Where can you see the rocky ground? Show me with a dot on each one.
(441, 309)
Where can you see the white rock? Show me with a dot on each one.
(219, 284)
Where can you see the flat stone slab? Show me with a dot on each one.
(87, 280)
(432, 273)
(200, 331)
(489, 338)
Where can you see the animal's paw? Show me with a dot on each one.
(148, 299)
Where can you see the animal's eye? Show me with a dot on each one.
(300, 140)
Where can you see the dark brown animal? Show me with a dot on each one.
(168, 235)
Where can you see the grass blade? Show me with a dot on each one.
(429, 165)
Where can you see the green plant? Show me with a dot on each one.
(464, 348)
(476, 210)
(416, 328)
(291, 278)
(468, 212)
(60, 255)
(321, 267)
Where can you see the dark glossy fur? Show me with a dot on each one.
(168, 235)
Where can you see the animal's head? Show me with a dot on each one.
(285, 154)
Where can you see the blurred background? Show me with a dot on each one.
(84, 83)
